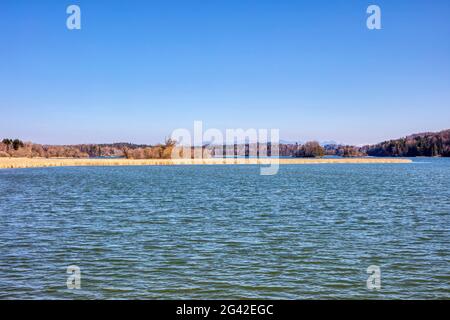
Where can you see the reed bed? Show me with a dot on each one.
(6, 163)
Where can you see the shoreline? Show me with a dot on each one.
(20, 163)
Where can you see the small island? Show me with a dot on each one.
(14, 153)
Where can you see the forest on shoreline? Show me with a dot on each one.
(429, 144)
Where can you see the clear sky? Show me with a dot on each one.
(139, 69)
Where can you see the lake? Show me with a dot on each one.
(213, 232)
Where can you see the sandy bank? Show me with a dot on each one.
(41, 162)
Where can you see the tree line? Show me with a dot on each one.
(423, 144)
(17, 148)
(429, 144)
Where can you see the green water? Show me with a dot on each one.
(226, 232)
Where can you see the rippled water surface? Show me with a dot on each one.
(226, 232)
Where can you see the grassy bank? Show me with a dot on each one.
(55, 162)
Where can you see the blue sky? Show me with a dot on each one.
(139, 69)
